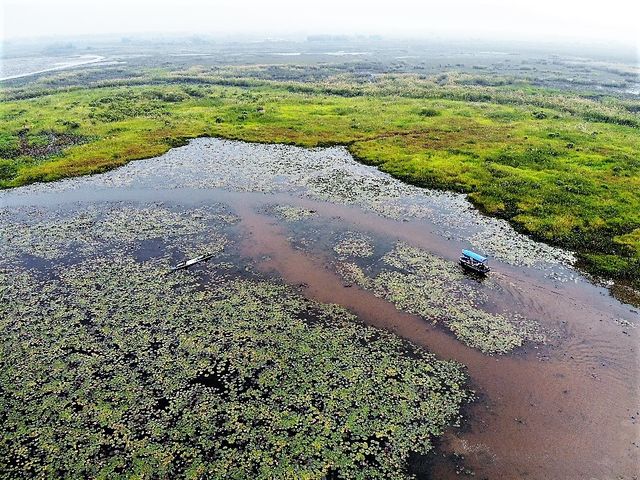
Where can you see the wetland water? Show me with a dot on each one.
(25, 67)
(552, 358)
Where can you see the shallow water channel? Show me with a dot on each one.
(552, 358)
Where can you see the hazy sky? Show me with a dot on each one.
(610, 20)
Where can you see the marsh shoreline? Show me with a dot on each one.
(560, 410)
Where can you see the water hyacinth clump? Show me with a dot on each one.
(427, 285)
(111, 368)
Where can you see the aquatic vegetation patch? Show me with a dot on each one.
(86, 230)
(426, 285)
(214, 244)
(509, 247)
(354, 244)
(125, 223)
(290, 213)
(113, 369)
(48, 239)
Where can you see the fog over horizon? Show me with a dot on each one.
(545, 21)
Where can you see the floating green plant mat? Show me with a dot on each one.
(424, 284)
(111, 369)
(290, 213)
(354, 244)
(88, 230)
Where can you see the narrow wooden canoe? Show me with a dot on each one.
(193, 261)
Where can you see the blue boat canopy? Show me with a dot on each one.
(474, 255)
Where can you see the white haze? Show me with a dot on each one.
(613, 21)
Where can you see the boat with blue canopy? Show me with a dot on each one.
(474, 261)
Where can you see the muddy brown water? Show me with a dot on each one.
(568, 409)
(563, 412)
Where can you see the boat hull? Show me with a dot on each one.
(480, 268)
(193, 261)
